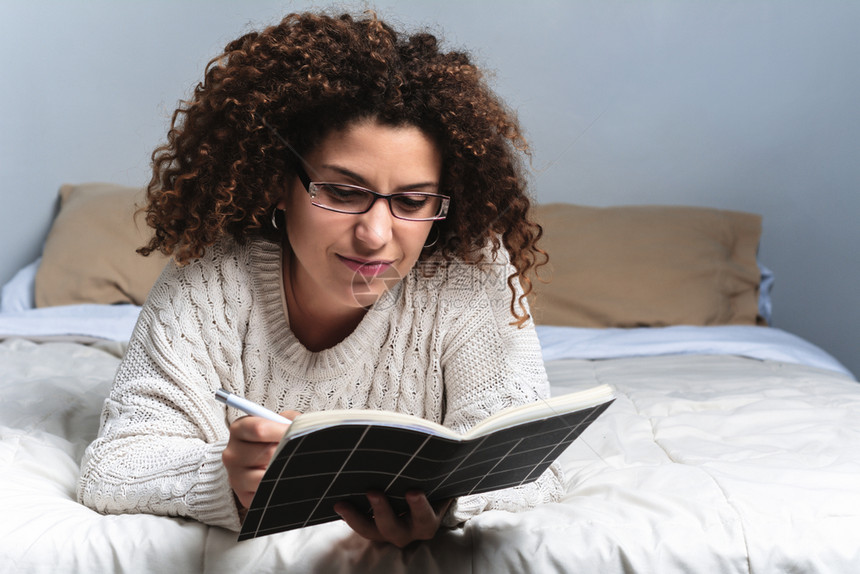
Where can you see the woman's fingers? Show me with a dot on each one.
(290, 414)
(249, 480)
(420, 523)
(389, 526)
(252, 442)
(257, 429)
(245, 484)
(424, 520)
(361, 524)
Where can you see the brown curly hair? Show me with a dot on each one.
(222, 169)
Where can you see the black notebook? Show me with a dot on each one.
(330, 456)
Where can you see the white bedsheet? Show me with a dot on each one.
(711, 464)
(19, 317)
(116, 322)
(764, 343)
(81, 322)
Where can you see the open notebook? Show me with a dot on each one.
(331, 456)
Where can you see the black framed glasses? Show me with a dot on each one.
(346, 198)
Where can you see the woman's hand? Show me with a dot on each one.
(252, 443)
(421, 523)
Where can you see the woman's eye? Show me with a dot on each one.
(412, 202)
(342, 194)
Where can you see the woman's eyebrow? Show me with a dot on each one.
(348, 173)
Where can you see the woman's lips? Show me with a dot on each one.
(367, 268)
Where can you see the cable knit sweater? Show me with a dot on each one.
(439, 346)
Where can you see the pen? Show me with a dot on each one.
(247, 406)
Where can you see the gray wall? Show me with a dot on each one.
(741, 105)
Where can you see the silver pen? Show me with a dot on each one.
(247, 406)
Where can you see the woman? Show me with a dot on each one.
(347, 217)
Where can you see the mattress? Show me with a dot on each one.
(710, 460)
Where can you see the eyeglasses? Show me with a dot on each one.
(345, 198)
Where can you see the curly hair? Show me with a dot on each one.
(222, 169)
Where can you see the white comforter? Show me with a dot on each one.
(703, 464)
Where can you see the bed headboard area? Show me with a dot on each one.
(674, 148)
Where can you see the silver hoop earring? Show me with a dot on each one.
(431, 244)
(275, 218)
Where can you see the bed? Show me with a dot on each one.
(732, 446)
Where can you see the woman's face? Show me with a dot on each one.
(346, 261)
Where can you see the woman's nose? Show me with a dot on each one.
(374, 228)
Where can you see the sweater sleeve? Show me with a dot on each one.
(162, 434)
(490, 365)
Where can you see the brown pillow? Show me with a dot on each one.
(89, 255)
(639, 266)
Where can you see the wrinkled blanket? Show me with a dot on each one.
(703, 464)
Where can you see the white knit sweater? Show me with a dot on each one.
(437, 346)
